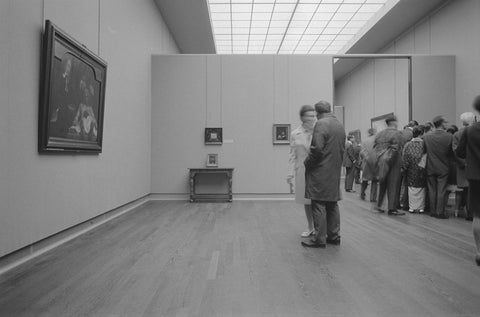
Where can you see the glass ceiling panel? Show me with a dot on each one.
(288, 26)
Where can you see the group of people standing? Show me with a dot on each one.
(413, 169)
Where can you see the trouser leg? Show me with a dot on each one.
(382, 192)
(363, 189)
(465, 193)
(319, 214)
(404, 194)
(474, 208)
(349, 178)
(373, 190)
(394, 186)
(441, 193)
(333, 220)
(432, 193)
(308, 214)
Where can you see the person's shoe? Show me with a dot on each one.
(333, 241)
(380, 210)
(477, 259)
(395, 213)
(349, 190)
(362, 196)
(373, 200)
(421, 211)
(442, 216)
(307, 233)
(314, 245)
(411, 211)
(469, 218)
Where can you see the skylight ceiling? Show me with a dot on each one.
(288, 26)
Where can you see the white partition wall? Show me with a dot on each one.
(245, 95)
(377, 87)
(433, 88)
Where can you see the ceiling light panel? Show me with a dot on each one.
(288, 26)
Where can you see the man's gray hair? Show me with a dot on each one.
(467, 118)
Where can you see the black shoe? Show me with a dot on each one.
(373, 200)
(334, 241)
(395, 213)
(469, 218)
(314, 245)
(349, 190)
(380, 210)
(442, 216)
(362, 196)
(477, 259)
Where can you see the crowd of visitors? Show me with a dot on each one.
(415, 169)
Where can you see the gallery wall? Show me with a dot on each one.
(41, 195)
(243, 94)
(377, 87)
(451, 30)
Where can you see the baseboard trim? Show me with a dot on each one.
(240, 196)
(18, 257)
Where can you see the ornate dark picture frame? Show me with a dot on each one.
(214, 136)
(72, 95)
(281, 134)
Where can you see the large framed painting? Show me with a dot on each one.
(72, 95)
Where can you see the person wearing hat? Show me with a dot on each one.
(469, 148)
(438, 146)
(388, 146)
(323, 167)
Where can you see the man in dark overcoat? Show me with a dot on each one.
(438, 146)
(390, 140)
(469, 149)
(348, 162)
(323, 166)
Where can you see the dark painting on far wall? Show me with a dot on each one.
(281, 134)
(213, 136)
(72, 95)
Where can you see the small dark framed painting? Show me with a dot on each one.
(72, 95)
(281, 134)
(214, 136)
(212, 160)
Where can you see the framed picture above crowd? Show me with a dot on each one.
(378, 123)
(72, 95)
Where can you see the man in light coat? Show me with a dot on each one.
(322, 176)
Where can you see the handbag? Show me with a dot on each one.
(423, 161)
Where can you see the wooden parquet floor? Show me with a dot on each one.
(172, 258)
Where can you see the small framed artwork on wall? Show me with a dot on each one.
(281, 134)
(213, 136)
(212, 160)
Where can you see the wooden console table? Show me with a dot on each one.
(228, 172)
